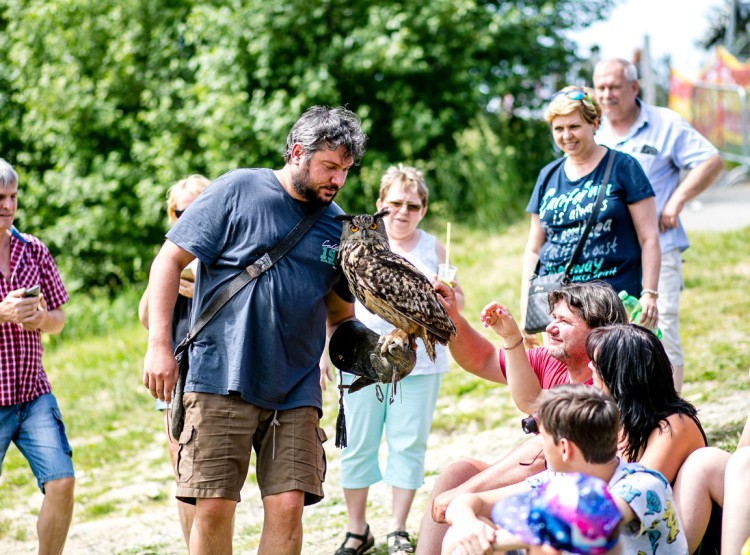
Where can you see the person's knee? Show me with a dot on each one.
(700, 462)
(60, 490)
(702, 474)
(214, 511)
(286, 506)
(739, 464)
(455, 474)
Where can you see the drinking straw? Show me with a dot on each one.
(448, 246)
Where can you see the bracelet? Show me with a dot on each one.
(650, 291)
(516, 344)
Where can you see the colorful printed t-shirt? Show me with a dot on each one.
(657, 529)
(612, 251)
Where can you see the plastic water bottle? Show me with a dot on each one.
(633, 308)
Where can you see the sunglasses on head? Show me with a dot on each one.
(583, 96)
(397, 204)
(178, 213)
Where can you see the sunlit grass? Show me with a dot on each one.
(118, 440)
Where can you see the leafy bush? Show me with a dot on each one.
(106, 103)
(96, 314)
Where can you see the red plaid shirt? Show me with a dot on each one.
(22, 376)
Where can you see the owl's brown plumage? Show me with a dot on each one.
(389, 285)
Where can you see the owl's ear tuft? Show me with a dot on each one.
(382, 213)
(344, 218)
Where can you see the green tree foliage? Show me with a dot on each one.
(729, 23)
(105, 103)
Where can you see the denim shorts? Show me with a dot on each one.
(38, 431)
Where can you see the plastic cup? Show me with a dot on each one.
(447, 272)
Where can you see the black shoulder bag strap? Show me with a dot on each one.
(255, 269)
(177, 410)
(592, 219)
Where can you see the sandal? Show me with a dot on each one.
(401, 542)
(366, 539)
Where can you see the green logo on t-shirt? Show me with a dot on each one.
(329, 253)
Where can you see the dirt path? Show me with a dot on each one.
(146, 522)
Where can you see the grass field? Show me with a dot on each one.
(118, 439)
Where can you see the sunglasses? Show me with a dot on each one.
(583, 96)
(178, 213)
(398, 204)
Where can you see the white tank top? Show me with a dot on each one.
(424, 257)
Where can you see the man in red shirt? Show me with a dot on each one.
(576, 310)
(32, 294)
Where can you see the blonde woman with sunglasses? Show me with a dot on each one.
(179, 197)
(622, 247)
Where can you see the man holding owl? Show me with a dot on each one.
(254, 381)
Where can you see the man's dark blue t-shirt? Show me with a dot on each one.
(267, 341)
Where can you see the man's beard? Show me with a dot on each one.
(558, 352)
(301, 185)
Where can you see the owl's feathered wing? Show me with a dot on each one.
(392, 288)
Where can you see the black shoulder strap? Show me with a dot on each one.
(249, 274)
(594, 212)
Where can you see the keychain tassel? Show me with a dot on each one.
(341, 419)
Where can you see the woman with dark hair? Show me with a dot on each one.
(659, 428)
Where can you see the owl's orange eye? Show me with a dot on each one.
(373, 225)
(353, 228)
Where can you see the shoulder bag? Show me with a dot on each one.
(537, 307)
(235, 286)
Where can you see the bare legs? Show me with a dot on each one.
(708, 475)
(282, 525)
(402, 500)
(185, 511)
(55, 516)
(471, 475)
(431, 533)
(735, 528)
(356, 509)
(699, 482)
(211, 533)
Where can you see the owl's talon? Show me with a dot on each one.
(394, 342)
(394, 356)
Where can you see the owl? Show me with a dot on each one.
(390, 286)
